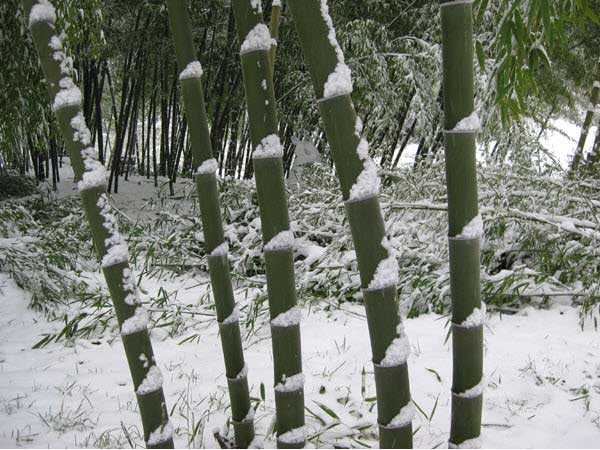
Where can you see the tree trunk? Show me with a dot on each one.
(360, 185)
(212, 225)
(587, 123)
(465, 226)
(277, 236)
(110, 246)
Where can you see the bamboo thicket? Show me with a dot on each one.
(360, 182)
(465, 226)
(212, 225)
(278, 239)
(587, 124)
(110, 246)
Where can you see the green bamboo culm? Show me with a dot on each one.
(212, 225)
(585, 129)
(274, 21)
(278, 238)
(110, 246)
(359, 182)
(465, 226)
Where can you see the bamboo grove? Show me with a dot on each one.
(230, 123)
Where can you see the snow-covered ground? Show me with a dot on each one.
(542, 381)
(542, 371)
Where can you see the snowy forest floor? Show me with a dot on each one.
(542, 361)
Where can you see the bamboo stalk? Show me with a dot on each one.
(110, 246)
(360, 186)
(587, 123)
(212, 225)
(465, 225)
(277, 236)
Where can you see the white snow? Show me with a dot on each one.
(469, 443)
(208, 166)
(68, 95)
(475, 319)
(276, 3)
(136, 323)
(339, 82)
(331, 31)
(269, 147)
(387, 270)
(243, 373)
(398, 351)
(220, 250)
(524, 354)
(284, 240)
(469, 124)
(597, 84)
(294, 436)
(232, 318)
(152, 382)
(161, 434)
(192, 70)
(473, 392)
(291, 384)
(358, 128)
(403, 418)
(290, 318)
(472, 230)
(115, 254)
(81, 132)
(42, 11)
(258, 39)
(256, 5)
(367, 183)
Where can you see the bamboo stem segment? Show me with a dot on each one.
(212, 225)
(587, 123)
(277, 237)
(359, 182)
(110, 246)
(465, 225)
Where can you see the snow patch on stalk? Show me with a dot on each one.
(232, 318)
(284, 240)
(242, 373)
(276, 3)
(136, 323)
(367, 183)
(331, 36)
(269, 147)
(152, 382)
(116, 247)
(220, 250)
(469, 124)
(291, 384)
(290, 318)
(473, 392)
(597, 84)
(475, 319)
(208, 166)
(456, 2)
(387, 270)
(398, 351)
(472, 230)
(403, 418)
(258, 39)
(162, 434)
(469, 443)
(339, 82)
(68, 95)
(192, 70)
(42, 11)
(294, 436)
(256, 5)
(130, 288)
